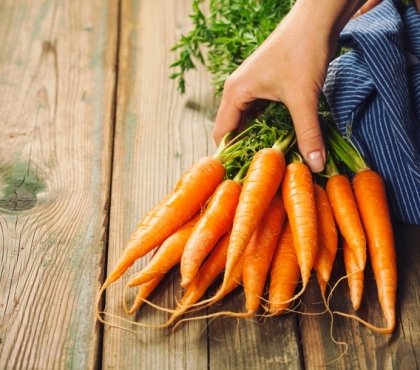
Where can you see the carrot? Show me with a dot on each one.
(144, 290)
(231, 284)
(299, 201)
(346, 214)
(355, 276)
(209, 271)
(260, 184)
(370, 193)
(327, 238)
(189, 195)
(259, 252)
(167, 256)
(216, 220)
(191, 296)
(284, 273)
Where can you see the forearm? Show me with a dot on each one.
(325, 17)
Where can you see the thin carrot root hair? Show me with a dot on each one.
(186, 308)
(238, 315)
(175, 313)
(133, 323)
(382, 330)
(267, 302)
(138, 301)
(100, 316)
(226, 287)
(297, 295)
(338, 343)
(200, 305)
(334, 287)
(209, 301)
(183, 309)
(113, 325)
(335, 341)
(292, 309)
(97, 303)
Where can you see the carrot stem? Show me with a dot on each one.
(344, 149)
(331, 167)
(283, 144)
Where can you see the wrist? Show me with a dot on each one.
(324, 19)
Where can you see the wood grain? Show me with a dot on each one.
(255, 343)
(57, 77)
(92, 126)
(156, 138)
(366, 349)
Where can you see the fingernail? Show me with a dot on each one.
(315, 161)
(358, 13)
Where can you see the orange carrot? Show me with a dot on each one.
(355, 276)
(167, 256)
(346, 215)
(229, 285)
(215, 221)
(232, 283)
(299, 201)
(144, 290)
(189, 195)
(327, 238)
(209, 271)
(370, 193)
(284, 273)
(259, 252)
(261, 183)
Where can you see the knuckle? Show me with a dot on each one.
(236, 88)
(309, 139)
(310, 133)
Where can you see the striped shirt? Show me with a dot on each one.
(374, 94)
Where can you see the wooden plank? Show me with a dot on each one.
(367, 350)
(256, 343)
(57, 78)
(157, 137)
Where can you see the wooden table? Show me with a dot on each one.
(93, 134)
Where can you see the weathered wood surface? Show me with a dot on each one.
(57, 76)
(68, 159)
(155, 139)
(367, 350)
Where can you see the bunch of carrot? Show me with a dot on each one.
(254, 213)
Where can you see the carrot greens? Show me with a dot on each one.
(229, 31)
(272, 128)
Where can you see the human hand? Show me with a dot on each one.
(289, 67)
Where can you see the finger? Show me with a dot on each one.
(228, 116)
(227, 119)
(368, 5)
(309, 136)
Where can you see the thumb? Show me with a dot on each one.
(309, 135)
(227, 119)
